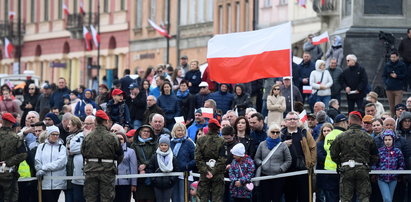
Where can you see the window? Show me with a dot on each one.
(237, 17)
(60, 9)
(192, 18)
(200, 13)
(229, 19)
(32, 11)
(123, 5)
(75, 6)
(139, 11)
(183, 12)
(153, 8)
(46, 10)
(220, 19)
(268, 3)
(105, 6)
(283, 2)
(166, 11)
(210, 9)
(247, 16)
(6, 6)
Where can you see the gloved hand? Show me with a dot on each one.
(40, 173)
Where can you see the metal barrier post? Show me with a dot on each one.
(39, 189)
(186, 194)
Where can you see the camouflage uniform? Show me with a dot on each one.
(12, 152)
(211, 147)
(103, 146)
(354, 144)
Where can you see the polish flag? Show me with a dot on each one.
(81, 10)
(317, 40)
(303, 116)
(307, 89)
(87, 38)
(95, 35)
(247, 56)
(302, 3)
(160, 30)
(207, 112)
(11, 15)
(8, 48)
(65, 9)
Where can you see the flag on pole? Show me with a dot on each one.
(95, 36)
(247, 56)
(303, 116)
(317, 40)
(302, 3)
(160, 30)
(81, 9)
(8, 48)
(11, 15)
(65, 9)
(87, 38)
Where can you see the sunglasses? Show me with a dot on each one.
(276, 89)
(275, 132)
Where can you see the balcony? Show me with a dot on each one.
(9, 29)
(75, 23)
(326, 7)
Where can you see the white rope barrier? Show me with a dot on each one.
(282, 175)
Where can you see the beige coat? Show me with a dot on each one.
(276, 107)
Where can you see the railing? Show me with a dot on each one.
(9, 29)
(76, 21)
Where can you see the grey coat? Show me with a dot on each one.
(279, 162)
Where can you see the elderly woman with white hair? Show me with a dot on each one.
(50, 160)
(321, 82)
(272, 163)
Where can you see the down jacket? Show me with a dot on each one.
(315, 81)
(75, 149)
(52, 159)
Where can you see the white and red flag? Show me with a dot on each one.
(81, 9)
(159, 29)
(8, 48)
(303, 116)
(11, 15)
(307, 89)
(302, 3)
(87, 38)
(95, 36)
(247, 56)
(323, 38)
(65, 9)
(207, 112)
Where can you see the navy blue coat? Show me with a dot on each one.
(304, 71)
(185, 156)
(223, 100)
(170, 106)
(193, 76)
(56, 99)
(395, 83)
(119, 113)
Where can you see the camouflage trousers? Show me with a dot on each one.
(213, 187)
(99, 185)
(8, 187)
(355, 180)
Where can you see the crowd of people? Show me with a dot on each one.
(160, 123)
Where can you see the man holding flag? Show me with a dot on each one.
(315, 51)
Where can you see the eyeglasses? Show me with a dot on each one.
(275, 132)
(113, 131)
(276, 89)
(31, 88)
(402, 109)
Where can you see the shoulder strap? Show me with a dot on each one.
(42, 148)
(322, 76)
(270, 154)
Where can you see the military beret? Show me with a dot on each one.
(131, 133)
(101, 114)
(117, 92)
(9, 117)
(356, 113)
(214, 121)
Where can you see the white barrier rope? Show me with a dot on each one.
(302, 172)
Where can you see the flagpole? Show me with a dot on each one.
(168, 31)
(18, 35)
(98, 47)
(291, 75)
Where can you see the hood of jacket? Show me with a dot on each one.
(337, 41)
(404, 115)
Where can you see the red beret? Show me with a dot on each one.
(131, 133)
(9, 117)
(117, 92)
(100, 113)
(215, 122)
(356, 113)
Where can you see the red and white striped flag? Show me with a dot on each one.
(307, 89)
(303, 116)
(11, 15)
(65, 9)
(323, 38)
(87, 38)
(160, 30)
(81, 9)
(207, 112)
(95, 35)
(247, 56)
(302, 3)
(8, 48)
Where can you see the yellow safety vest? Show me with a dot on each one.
(24, 170)
(329, 164)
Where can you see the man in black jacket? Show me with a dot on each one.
(136, 102)
(354, 81)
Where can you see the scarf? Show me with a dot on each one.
(144, 140)
(165, 160)
(271, 143)
(178, 142)
(182, 94)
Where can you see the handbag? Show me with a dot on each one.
(258, 172)
(313, 97)
(249, 185)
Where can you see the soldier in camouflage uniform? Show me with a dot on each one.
(211, 149)
(101, 149)
(354, 151)
(12, 153)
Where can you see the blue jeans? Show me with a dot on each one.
(137, 124)
(387, 189)
(178, 191)
(324, 99)
(78, 193)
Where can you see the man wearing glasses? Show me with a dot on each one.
(304, 155)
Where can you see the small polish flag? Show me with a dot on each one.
(87, 38)
(302, 3)
(11, 15)
(95, 35)
(179, 119)
(81, 11)
(307, 89)
(207, 112)
(8, 48)
(303, 116)
(160, 30)
(247, 56)
(65, 9)
(317, 40)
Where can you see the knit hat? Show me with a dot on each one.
(164, 138)
(238, 150)
(53, 117)
(198, 111)
(9, 117)
(52, 129)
